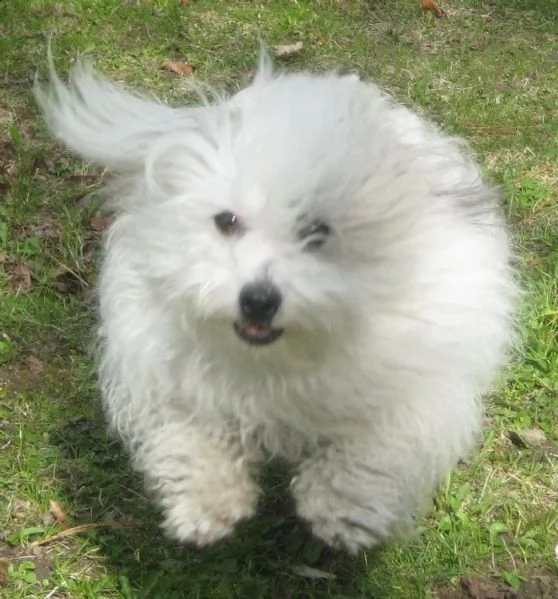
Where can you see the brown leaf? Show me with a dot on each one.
(4, 572)
(57, 511)
(432, 6)
(99, 223)
(21, 277)
(180, 68)
(287, 49)
(185, 2)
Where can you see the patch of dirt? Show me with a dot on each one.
(43, 565)
(539, 587)
(484, 588)
(43, 562)
(22, 379)
(8, 163)
(477, 587)
(68, 282)
(44, 227)
(21, 276)
(6, 154)
(4, 574)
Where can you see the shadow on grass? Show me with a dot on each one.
(272, 555)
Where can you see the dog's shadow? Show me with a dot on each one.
(272, 555)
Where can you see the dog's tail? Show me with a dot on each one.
(99, 120)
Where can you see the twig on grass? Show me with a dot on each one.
(76, 530)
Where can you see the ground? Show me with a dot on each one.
(486, 71)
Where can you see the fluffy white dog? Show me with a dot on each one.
(306, 270)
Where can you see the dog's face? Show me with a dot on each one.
(251, 242)
(261, 231)
(263, 219)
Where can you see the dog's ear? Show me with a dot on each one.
(101, 121)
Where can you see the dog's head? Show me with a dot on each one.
(270, 217)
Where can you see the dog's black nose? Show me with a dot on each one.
(259, 302)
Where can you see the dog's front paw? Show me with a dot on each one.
(342, 533)
(203, 512)
(343, 515)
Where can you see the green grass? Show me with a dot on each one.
(487, 72)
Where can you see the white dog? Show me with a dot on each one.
(306, 270)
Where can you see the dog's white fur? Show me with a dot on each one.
(393, 329)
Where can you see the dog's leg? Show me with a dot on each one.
(357, 497)
(201, 476)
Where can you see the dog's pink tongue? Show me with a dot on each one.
(257, 330)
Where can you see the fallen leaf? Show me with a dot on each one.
(432, 6)
(21, 277)
(4, 572)
(287, 49)
(180, 68)
(68, 282)
(99, 223)
(528, 438)
(57, 511)
(185, 2)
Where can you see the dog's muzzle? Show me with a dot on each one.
(259, 303)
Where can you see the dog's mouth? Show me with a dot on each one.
(257, 333)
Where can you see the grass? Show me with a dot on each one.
(487, 72)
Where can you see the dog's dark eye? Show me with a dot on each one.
(227, 222)
(314, 234)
